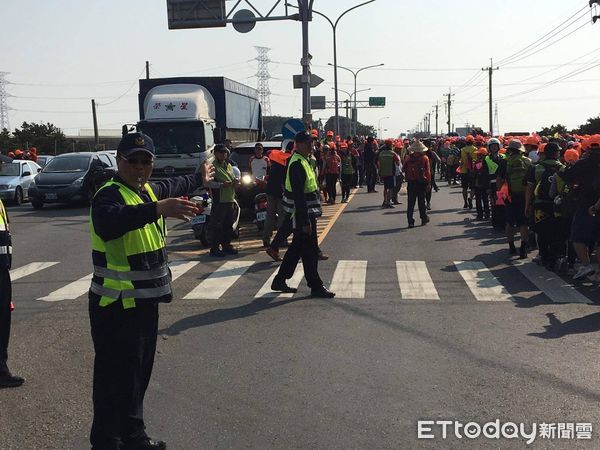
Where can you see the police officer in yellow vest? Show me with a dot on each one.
(131, 277)
(6, 378)
(301, 200)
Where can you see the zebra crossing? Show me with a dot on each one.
(350, 281)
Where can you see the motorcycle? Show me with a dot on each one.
(260, 210)
(200, 222)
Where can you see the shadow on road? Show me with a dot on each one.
(380, 232)
(557, 329)
(225, 315)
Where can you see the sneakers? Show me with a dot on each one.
(281, 286)
(424, 221)
(344, 200)
(466, 205)
(217, 254)
(144, 443)
(428, 206)
(511, 248)
(273, 253)
(411, 225)
(537, 260)
(584, 271)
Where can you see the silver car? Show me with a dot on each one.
(15, 179)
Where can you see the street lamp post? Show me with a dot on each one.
(379, 125)
(351, 95)
(355, 74)
(335, 66)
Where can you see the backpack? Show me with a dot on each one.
(415, 168)
(516, 169)
(544, 176)
(452, 160)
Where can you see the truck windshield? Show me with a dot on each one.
(176, 139)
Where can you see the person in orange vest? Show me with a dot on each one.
(7, 379)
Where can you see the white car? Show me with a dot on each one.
(15, 179)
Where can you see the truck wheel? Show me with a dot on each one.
(37, 205)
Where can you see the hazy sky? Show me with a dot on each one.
(62, 53)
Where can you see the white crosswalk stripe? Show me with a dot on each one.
(178, 268)
(555, 288)
(266, 292)
(71, 291)
(349, 279)
(481, 282)
(29, 269)
(218, 282)
(415, 281)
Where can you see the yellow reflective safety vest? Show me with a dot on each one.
(311, 188)
(134, 266)
(5, 240)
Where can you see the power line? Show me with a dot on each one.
(528, 47)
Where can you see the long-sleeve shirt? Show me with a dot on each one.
(298, 180)
(112, 218)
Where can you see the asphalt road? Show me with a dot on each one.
(421, 336)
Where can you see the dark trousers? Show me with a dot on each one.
(451, 174)
(346, 184)
(304, 246)
(397, 188)
(360, 175)
(370, 176)
(331, 183)
(416, 192)
(548, 233)
(5, 297)
(482, 202)
(125, 343)
(282, 232)
(221, 225)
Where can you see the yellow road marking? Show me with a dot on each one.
(334, 219)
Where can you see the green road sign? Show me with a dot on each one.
(376, 101)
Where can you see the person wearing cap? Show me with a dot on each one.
(7, 379)
(513, 170)
(131, 277)
(258, 163)
(348, 164)
(418, 177)
(387, 162)
(467, 157)
(332, 174)
(540, 205)
(220, 227)
(481, 184)
(301, 200)
(369, 157)
(585, 229)
(493, 161)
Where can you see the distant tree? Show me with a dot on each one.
(553, 129)
(592, 126)
(5, 141)
(345, 122)
(272, 124)
(45, 137)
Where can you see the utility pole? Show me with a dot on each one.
(449, 105)
(347, 107)
(428, 123)
(305, 10)
(437, 107)
(147, 70)
(496, 122)
(96, 139)
(490, 71)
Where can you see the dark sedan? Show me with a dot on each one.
(72, 177)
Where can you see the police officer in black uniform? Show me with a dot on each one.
(131, 277)
(301, 199)
(6, 378)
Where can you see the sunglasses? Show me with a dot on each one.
(135, 161)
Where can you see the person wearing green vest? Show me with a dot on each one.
(301, 200)
(220, 227)
(513, 170)
(387, 161)
(131, 277)
(540, 205)
(7, 379)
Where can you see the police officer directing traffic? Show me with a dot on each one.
(7, 379)
(131, 277)
(301, 200)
